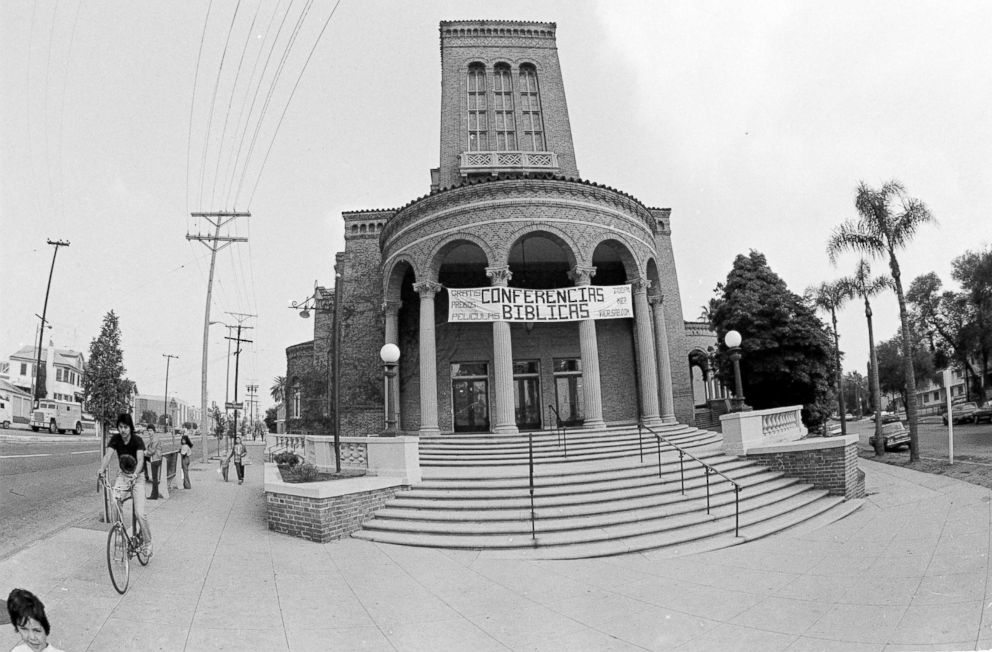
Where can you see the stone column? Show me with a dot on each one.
(664, 360)
(428, 358)
(589, 349)
(647, 370)
(504, 415)
(391, 309)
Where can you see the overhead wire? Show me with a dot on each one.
(213, 101)
(289, 101)
(244, 103)
(230, 102)
(192, 107)
(269, 94)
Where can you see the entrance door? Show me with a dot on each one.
(527, 394)
(470, 397)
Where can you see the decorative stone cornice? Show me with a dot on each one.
(540, 186)
(499, 275)
(581, 274)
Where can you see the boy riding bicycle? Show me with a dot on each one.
(127, 444)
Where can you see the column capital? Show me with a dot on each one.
(640, 285)
(392, 308)
(582, 274)
(499, 276)
(427, 289)
(657, 300)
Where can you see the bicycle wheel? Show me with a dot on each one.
(118, 562)
(139, 541)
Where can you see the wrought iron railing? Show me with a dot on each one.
(560, 430)
(709, 470)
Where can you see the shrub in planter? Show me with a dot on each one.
(286, 458)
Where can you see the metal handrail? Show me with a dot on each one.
(560, 430)
(530, 452)
(709, 468)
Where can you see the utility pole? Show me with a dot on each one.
(252, 406)
(165, 401)
(237, 361)
(44, 312)
(215, 243)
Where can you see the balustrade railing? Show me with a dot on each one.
(708, 468)
(508, 161)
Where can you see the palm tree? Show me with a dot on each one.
(866, 285)
(887, 221)
(278, 389)
(830, 297)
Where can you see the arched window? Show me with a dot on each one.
(478, 122)
(505, 130)
(532, 139)
(294, 400)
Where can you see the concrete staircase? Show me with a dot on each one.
(593, 496)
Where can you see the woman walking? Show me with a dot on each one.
(154, 456)
(239, 453)
(185, 450)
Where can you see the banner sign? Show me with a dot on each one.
(526, 305)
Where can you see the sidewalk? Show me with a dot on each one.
(908, 571)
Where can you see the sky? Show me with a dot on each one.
(754, 122)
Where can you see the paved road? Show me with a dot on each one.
(972, 442)
(44, 486)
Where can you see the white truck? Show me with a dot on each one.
(57, 416)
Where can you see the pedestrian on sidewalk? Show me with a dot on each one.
(154, 455)
(27, 615)
(239, 453)
(185, 450)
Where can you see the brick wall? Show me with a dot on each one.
(834, 469)
(324, 519)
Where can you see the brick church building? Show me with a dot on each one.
(509, 219)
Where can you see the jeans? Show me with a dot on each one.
(185, 460)
(138, 503)
(156, 470)
(241, 471)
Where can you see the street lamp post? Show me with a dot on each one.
(390, 355)
(733, 341)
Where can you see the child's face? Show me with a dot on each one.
(33, 634)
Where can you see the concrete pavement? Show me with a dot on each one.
(909, 571)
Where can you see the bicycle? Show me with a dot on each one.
(121, 544)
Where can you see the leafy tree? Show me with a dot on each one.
(149, 416)
(278, 389)
(786, 352)
(220, 422)
(830, 297)
(887, 221)
(271, 418)
(891, 365)
(973, 271)
(105, 390)
(189, 425)
(856, 387)
(866, 286)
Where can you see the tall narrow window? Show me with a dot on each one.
(532, 139)
(478, 122)
(506, 133)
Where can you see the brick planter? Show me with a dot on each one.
(324, 511)
(829, 463)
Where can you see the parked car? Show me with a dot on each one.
(961, 413)
(893, 434)
(983, 413)
(889, 417)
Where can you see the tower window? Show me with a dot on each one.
(530, 111)
(478, 122)
(506, 133)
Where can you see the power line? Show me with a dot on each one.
(192, 101)
(289, 101)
